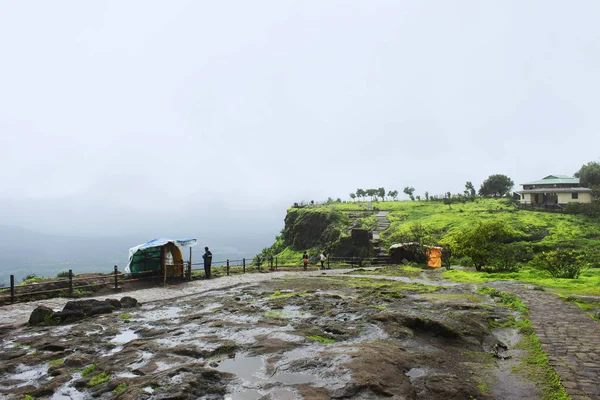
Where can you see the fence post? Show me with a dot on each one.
(189, 271)
(271, 263)
(276, 264)
(227, 267)
(70, 282)
(12, 288)
(244, 265)
(116, 277)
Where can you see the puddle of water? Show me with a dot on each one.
(288, 312)
(28, 374)
(113, 351)
(247, 368)
(415, 373)
(292, 378)
(68, 392)
(168, 313)
(125, 337)
(148, 389)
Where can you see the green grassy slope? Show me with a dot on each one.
(543, 230)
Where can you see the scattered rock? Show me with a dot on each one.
(78, 360)
(40, 315)
(128, 302)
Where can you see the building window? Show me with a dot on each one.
(574, 195)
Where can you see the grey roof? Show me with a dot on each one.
(554, 180)
(557, 190)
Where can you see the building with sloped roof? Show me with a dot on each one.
(555, 190)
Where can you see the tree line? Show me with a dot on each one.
(497, 185)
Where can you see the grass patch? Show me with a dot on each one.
(320, 339)
(381, 307)
(58, 361)
(126, 316)
(585, 306)
(29, 397)
(88, 370)
(508, 299)
(121, 388)
(588, 282)
(279, 295)
(536, 364)
(451, 296)
(98, 379)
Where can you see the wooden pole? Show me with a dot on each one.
(227, 267)
(116, 277)
(190, 266)
(12, 288)
(244, 265)
(70, 282)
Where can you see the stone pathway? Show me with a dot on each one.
(570, 338)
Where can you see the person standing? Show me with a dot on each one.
(322, 258)
(207, 256)
(305, 260)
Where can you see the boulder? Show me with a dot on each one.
(128, 302)
(89, 307)
(114, 302)
(78, 360)
(40, 315)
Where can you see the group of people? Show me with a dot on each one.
(322, 259)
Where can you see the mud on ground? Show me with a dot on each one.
(309, 337)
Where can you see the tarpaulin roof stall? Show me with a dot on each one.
(161, 255)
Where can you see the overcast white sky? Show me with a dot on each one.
(170, 117)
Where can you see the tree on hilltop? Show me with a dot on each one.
(371, 193)
(410, 192)
(393, 194)
(352, 196)
(360, 193)
(589, 174)
(381, 193)
(496, 185)
(470, 189)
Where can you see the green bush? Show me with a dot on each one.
(63, 274)
(98, 379)
(560, 263)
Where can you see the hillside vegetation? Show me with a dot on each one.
(326, 227)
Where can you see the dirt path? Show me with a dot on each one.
(570, 338)
(18, 313)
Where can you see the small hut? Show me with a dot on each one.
(159, 257)
(415, 252)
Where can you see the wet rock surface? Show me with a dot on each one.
(78, 309)
(317, 337)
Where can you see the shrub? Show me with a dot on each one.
(88, 370)
(560, 263)
(98, 379)
(121, 388)
(63, 274)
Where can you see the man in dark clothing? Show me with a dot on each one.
(207, 256)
